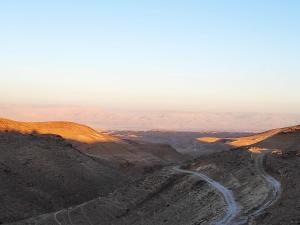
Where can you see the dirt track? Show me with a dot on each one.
(274, 189)
(274, 185)
(176, 199)
(233, 215)
(232, 208)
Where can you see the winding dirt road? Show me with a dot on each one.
(274, 186)
(233, 208)
(234, 211)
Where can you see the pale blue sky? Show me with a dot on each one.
(152, 55)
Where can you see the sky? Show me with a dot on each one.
(158, 55)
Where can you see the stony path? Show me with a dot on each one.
(233, 208)
(274, 187)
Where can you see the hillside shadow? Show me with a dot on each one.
(41, 173)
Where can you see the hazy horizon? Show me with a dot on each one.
(142, 57)
(101, 118)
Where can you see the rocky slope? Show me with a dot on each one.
(99, 145)
(283, 164)
(42, 173)
(164, 195)
(286, 139)
(48, 166)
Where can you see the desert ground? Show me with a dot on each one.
(62, 173)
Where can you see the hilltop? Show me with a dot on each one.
(286, 139)
(67, 130)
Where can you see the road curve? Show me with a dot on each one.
(274, 185)
(233, 208)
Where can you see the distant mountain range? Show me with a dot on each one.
(180, 121)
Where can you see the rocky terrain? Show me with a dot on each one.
(283, 163)
(42, 173)
(100, 145)
(49, 166)
(252, 182)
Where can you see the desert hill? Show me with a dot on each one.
(46, 166)
(286, 139)
(67, 130)
(99, 145)
(43, 173)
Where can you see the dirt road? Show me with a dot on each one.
(233, 208)
(236, 211)
(273, 184)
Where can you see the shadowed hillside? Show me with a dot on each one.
(48, 166)
(42, 173)
(99, 144)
